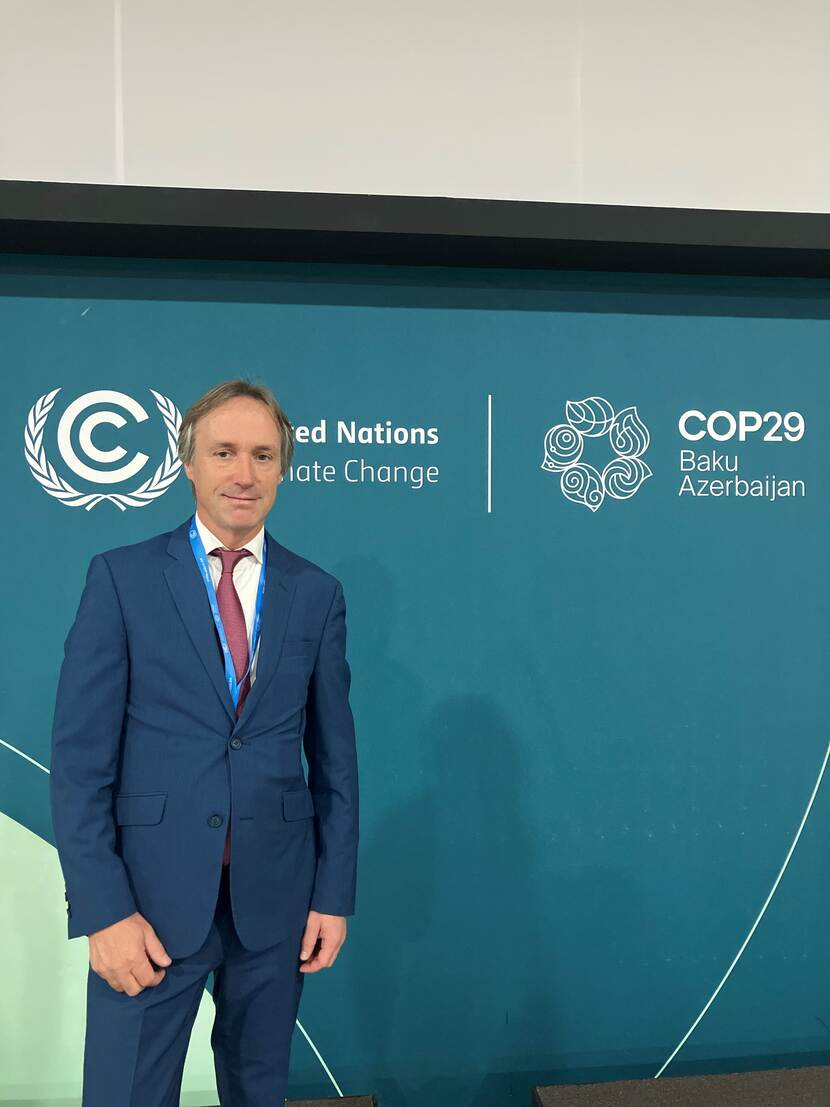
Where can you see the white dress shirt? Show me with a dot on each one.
(245, 575)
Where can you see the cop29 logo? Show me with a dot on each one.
(594, 417)
(55, 485)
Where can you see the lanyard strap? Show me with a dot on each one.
(198, 548)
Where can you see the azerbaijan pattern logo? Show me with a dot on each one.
(594, 417)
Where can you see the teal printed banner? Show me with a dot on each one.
(582, 526)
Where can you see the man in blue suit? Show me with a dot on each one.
(200, 664)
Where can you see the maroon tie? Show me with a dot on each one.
(236, 634)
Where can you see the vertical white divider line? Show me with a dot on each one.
(489, 452)
(118, 89)
(579, 68)
(748, 938)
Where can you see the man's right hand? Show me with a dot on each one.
(121, 954)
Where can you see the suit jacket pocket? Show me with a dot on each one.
(298, 804)
(140, 808)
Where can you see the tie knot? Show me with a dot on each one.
(230, 558)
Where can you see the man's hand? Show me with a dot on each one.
(121, 954)
(323, 937)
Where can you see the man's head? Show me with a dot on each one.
(236, 444)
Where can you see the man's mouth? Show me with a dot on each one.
(241, 499)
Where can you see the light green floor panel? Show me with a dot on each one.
(43, 996)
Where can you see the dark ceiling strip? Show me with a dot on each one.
(137, 221)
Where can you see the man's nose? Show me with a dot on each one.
(244, 471)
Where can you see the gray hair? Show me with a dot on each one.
(220, 394)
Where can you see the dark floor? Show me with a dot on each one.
(806, 1087)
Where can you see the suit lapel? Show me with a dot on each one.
(188, 591)
(186, 585)
(280, 586)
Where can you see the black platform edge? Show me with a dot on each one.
(44, 217)
(352, 1100)
(801, 1087)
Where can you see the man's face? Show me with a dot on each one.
(236, 466)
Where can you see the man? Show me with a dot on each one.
(199, 664)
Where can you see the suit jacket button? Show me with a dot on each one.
(236, 743)
(215, 820)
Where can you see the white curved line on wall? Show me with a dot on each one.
(748, 938)
(25, 756)
(317, 1054)
(319, 1058)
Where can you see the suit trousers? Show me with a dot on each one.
(135, 1046)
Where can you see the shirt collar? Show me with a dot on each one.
(210, 541)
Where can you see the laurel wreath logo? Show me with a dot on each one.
(44, 473)
(594, 417)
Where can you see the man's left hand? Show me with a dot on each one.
(323, 937)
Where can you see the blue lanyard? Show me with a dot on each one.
(198, 548)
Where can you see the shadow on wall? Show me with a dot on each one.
(448, 911)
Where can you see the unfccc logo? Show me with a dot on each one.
(594, 417)
(44, 472)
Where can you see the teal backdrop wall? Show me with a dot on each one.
(587, 738)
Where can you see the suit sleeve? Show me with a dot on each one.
(86, 739)
(329, 744)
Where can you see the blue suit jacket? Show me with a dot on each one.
(149, 761)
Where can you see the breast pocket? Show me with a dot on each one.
(299, 651)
